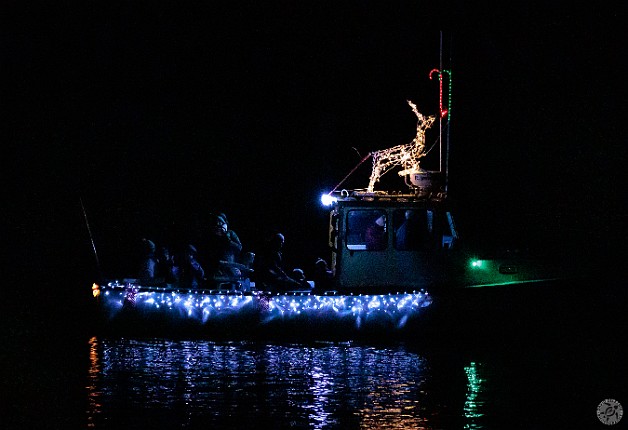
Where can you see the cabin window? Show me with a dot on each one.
(367, 230)
(412, 228)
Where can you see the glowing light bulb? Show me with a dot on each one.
(328, 200)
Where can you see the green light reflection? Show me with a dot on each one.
(473, 404)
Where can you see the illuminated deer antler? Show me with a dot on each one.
(407, 156)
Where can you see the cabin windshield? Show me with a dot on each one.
(413, 228)
(367, 230)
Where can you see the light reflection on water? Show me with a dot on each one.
(242, 384)
(474, 402)
(93, 389)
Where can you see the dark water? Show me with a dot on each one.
(492, 360)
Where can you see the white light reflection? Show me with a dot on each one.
(299, 386)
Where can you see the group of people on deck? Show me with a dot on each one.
(219, 260)
(161, 265)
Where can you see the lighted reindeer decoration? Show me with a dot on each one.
(407, 156)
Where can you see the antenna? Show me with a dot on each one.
(89, 230)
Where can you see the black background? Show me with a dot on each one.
(154, 114)
(150, 115)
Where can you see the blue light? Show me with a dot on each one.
(204, 306)
(328, 199)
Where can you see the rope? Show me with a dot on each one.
(366, 157)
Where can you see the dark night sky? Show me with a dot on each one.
(156, 113)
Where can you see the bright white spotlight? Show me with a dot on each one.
(327, 199)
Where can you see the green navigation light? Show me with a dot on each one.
(476, 263)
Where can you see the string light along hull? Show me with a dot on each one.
(130, 306)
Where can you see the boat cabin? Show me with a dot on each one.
(388, 242)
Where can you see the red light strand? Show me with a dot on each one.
(443, 112)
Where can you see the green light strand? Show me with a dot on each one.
(449, 94)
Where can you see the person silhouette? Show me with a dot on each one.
(269, 271)
(192, 273)
(166, 267)
(148, 263)
(223, 248)
(323, 275)
(375, 234)
(410, 235)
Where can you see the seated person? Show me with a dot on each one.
(248, 259)
(247, 264)
(323, 275)
(376, 234)
(148, 263)
(192, 273)
(410, 235)
(166, 267)
(299, 276)
(269, 271)
(223, 249)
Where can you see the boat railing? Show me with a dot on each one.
(128, 285)
(417, 195)
(162, 287)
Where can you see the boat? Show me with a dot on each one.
(390, 251)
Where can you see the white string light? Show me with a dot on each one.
(204, 306)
